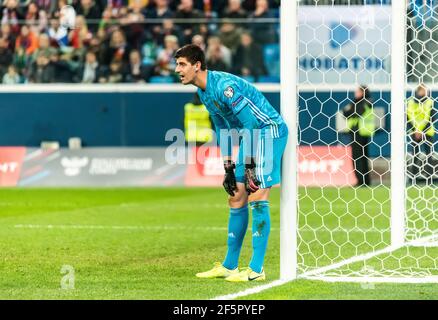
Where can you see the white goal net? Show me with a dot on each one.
(366, 208)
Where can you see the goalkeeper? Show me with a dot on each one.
(233, 103)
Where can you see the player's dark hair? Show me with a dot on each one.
(193, 54)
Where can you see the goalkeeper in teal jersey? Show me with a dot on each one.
(234, 103)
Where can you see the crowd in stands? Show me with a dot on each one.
(117, 41)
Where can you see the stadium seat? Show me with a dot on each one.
(271, 57)
(161, 79)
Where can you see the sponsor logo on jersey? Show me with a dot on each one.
(229, 92)
(235, 103)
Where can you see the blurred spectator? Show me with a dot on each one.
(61, 68)
(12, 76)
(160, 10)
(118, 48)
(108, 23)
(168, 28)
(133, 23)
(219, 51)
(26, 40)
(6, 35)
(135, 70)
(199, 41)
(80, 36)
(23, 3)
(102, 4)
(6, 56)
(36, 18)
(234, 10)
(250, 5)
(90, 71)
(142, 3)
(206, 6)
(41, 71)
(230, 35)
(165, 65)
(58, 35)
(215, 56)
(263, 33)
(43, 47)
(115, 6)
(21, 60)
(99, 45)
(248, 60)
(48, 6)
(11, 15)
(149, 52)
(90, 12)
(186, 11)
(114, 75)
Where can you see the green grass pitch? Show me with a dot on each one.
(148, 244)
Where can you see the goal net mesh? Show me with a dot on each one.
(344, 194)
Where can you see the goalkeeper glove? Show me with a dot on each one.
(251, 181)
(229, 178)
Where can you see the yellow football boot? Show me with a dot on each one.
(247, 275)
(218, 271)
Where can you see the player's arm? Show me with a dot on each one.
(224, 139)
(240, 105)
(250, 142)
(222, 128)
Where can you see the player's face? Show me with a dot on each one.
(185, 70)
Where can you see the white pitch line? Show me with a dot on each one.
(249, 291)
(429, 241)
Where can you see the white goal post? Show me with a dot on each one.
(334, 231)
(288, 101)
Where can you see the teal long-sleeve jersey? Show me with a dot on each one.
(234, 103)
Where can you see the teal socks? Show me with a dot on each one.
(261, 227)
(237, 225)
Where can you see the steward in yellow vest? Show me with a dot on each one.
(197, 124)
(361, 127)
(420, 115)
(419, 112)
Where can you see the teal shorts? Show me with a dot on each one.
(268, 161)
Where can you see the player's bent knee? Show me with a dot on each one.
(259, 195)
(240, 197)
